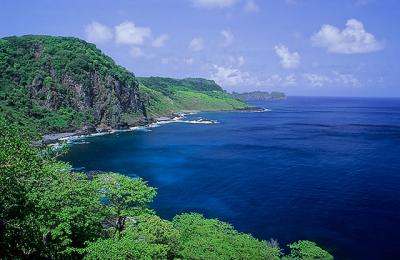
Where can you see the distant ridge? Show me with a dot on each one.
(259, 95)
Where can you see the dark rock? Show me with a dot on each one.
(86, 130)
(252, 109)
(122, 126)
(103, 128)
(146, 121)
(54, 138)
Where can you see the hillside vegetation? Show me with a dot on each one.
(163, 96)
(55, 84)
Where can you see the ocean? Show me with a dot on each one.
(315, 168)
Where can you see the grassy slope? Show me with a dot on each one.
(165, 96)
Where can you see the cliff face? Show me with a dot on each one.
(47, 78)
(106, 99)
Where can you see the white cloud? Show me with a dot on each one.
(98, 33)
(352, 39)
(214, 3)
(333, 78)
(346, 79)
(251, 7)
(276, 80)
(229, 76)
(228, 38)
(289, 59)
(128, 33)
(196, 44)
(232, 75)
(289, 80)
(316, 80)
(160, 41)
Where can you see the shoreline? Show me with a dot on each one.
(86, 131)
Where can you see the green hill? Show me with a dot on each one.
(57, 84)
(163, 96)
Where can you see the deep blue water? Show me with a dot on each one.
(323, 169)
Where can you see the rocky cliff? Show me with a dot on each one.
(65, 83)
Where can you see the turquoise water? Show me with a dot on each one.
(323, 169)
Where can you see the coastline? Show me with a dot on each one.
(90, 131)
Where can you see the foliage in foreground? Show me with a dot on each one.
(47, 211)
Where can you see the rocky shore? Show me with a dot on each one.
(90, 130)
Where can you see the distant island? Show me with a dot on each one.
(259, 95)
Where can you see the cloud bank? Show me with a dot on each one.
(352, 39)
(128, 33)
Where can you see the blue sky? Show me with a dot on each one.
(301, 47)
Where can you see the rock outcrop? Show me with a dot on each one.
(69, 77)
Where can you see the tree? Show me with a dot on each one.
(307, 250)
(21, 171)
(123, 196)
(145, 237)
(45, 210)
(69, 213)
(202, 238)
